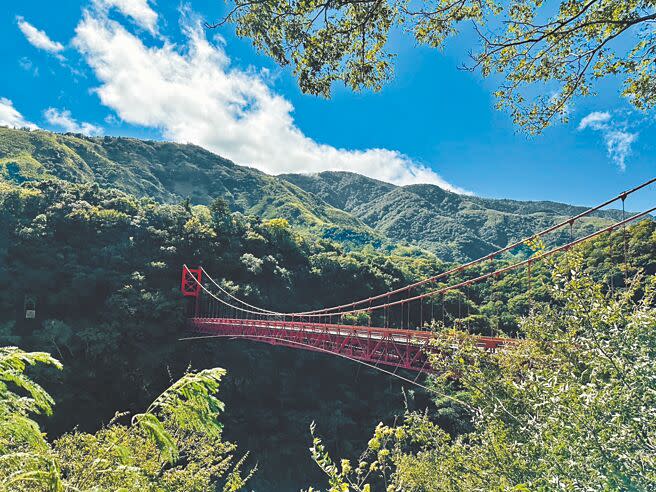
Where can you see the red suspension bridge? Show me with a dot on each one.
(395, 333)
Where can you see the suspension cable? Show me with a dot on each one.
(342, 307)
(237, 298)
(443, 290)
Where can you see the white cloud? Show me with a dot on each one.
(9, 116)
(137, 10)
(112, 120)
(618, 145)
(617, 138)
(63, 119)
(594, 120)
(39, 39)
(192, 94)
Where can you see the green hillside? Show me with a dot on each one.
(170, 173)
(455, 227)
(350, 208)
(104, 269)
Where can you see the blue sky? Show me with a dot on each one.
(147, 69)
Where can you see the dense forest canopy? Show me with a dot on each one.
(103, 268)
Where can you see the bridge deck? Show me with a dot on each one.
(375, 345)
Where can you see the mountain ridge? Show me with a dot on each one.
(453, 226)
(168, 172)
(346, 207)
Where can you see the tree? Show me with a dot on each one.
(571, 407)
(175, 444)
(547, 54)
(360, 318)
(221, 215)
(24, 457)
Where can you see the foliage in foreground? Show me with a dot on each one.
(174, 445)
(546, 53)
(104, 267)
(572, 407)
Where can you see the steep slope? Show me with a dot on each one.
(169, 173)
(455, 227)
(344, 190)
(346, 207)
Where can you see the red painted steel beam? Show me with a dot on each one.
(403, 349)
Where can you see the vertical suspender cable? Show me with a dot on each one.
(421, 313)
(432, 309)
(443, 318)
(626, 251)
(612, 263)
(409, 305)
(530, 297)
(369, 313)
(468, 314)
(460, 306)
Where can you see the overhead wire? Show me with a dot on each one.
(462, 284)
(342, 308)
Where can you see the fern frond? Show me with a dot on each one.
(155, 430)
(191, 404)
(234, 480)
(20, 431)
(31, 468)
(13, 362)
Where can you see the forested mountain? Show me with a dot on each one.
(455, 227)
(104, 266)
(350, 208)
(170, 173)
(104, 269)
